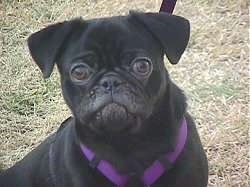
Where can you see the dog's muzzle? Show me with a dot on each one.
(116, 118)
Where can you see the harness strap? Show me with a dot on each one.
(151, 174)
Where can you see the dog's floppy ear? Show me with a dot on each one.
(171, 31)
(46, 44)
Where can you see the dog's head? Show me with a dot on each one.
(112, 72)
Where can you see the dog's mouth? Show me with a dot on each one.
(116, 118)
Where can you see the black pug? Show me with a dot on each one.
(129, 127)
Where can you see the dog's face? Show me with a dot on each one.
(112, 71)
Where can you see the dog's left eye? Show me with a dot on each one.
(142, 67)
(80, 73)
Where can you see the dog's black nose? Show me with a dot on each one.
(110, 82)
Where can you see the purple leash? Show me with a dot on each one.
(168, 6)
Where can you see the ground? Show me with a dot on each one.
(214, 72)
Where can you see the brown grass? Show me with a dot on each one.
(214, 72)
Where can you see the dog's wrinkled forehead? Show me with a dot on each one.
(114, 32)
(112, 38)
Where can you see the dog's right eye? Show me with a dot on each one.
(80, 73)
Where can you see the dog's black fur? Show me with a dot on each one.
(125, 115)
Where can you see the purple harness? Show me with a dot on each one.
(151, 174)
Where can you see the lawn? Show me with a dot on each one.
(214, 72)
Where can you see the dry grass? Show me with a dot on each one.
(214, 72)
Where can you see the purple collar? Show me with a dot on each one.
(152, 173)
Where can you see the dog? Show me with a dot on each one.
(129, 124)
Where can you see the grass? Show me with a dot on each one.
(214, 72)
